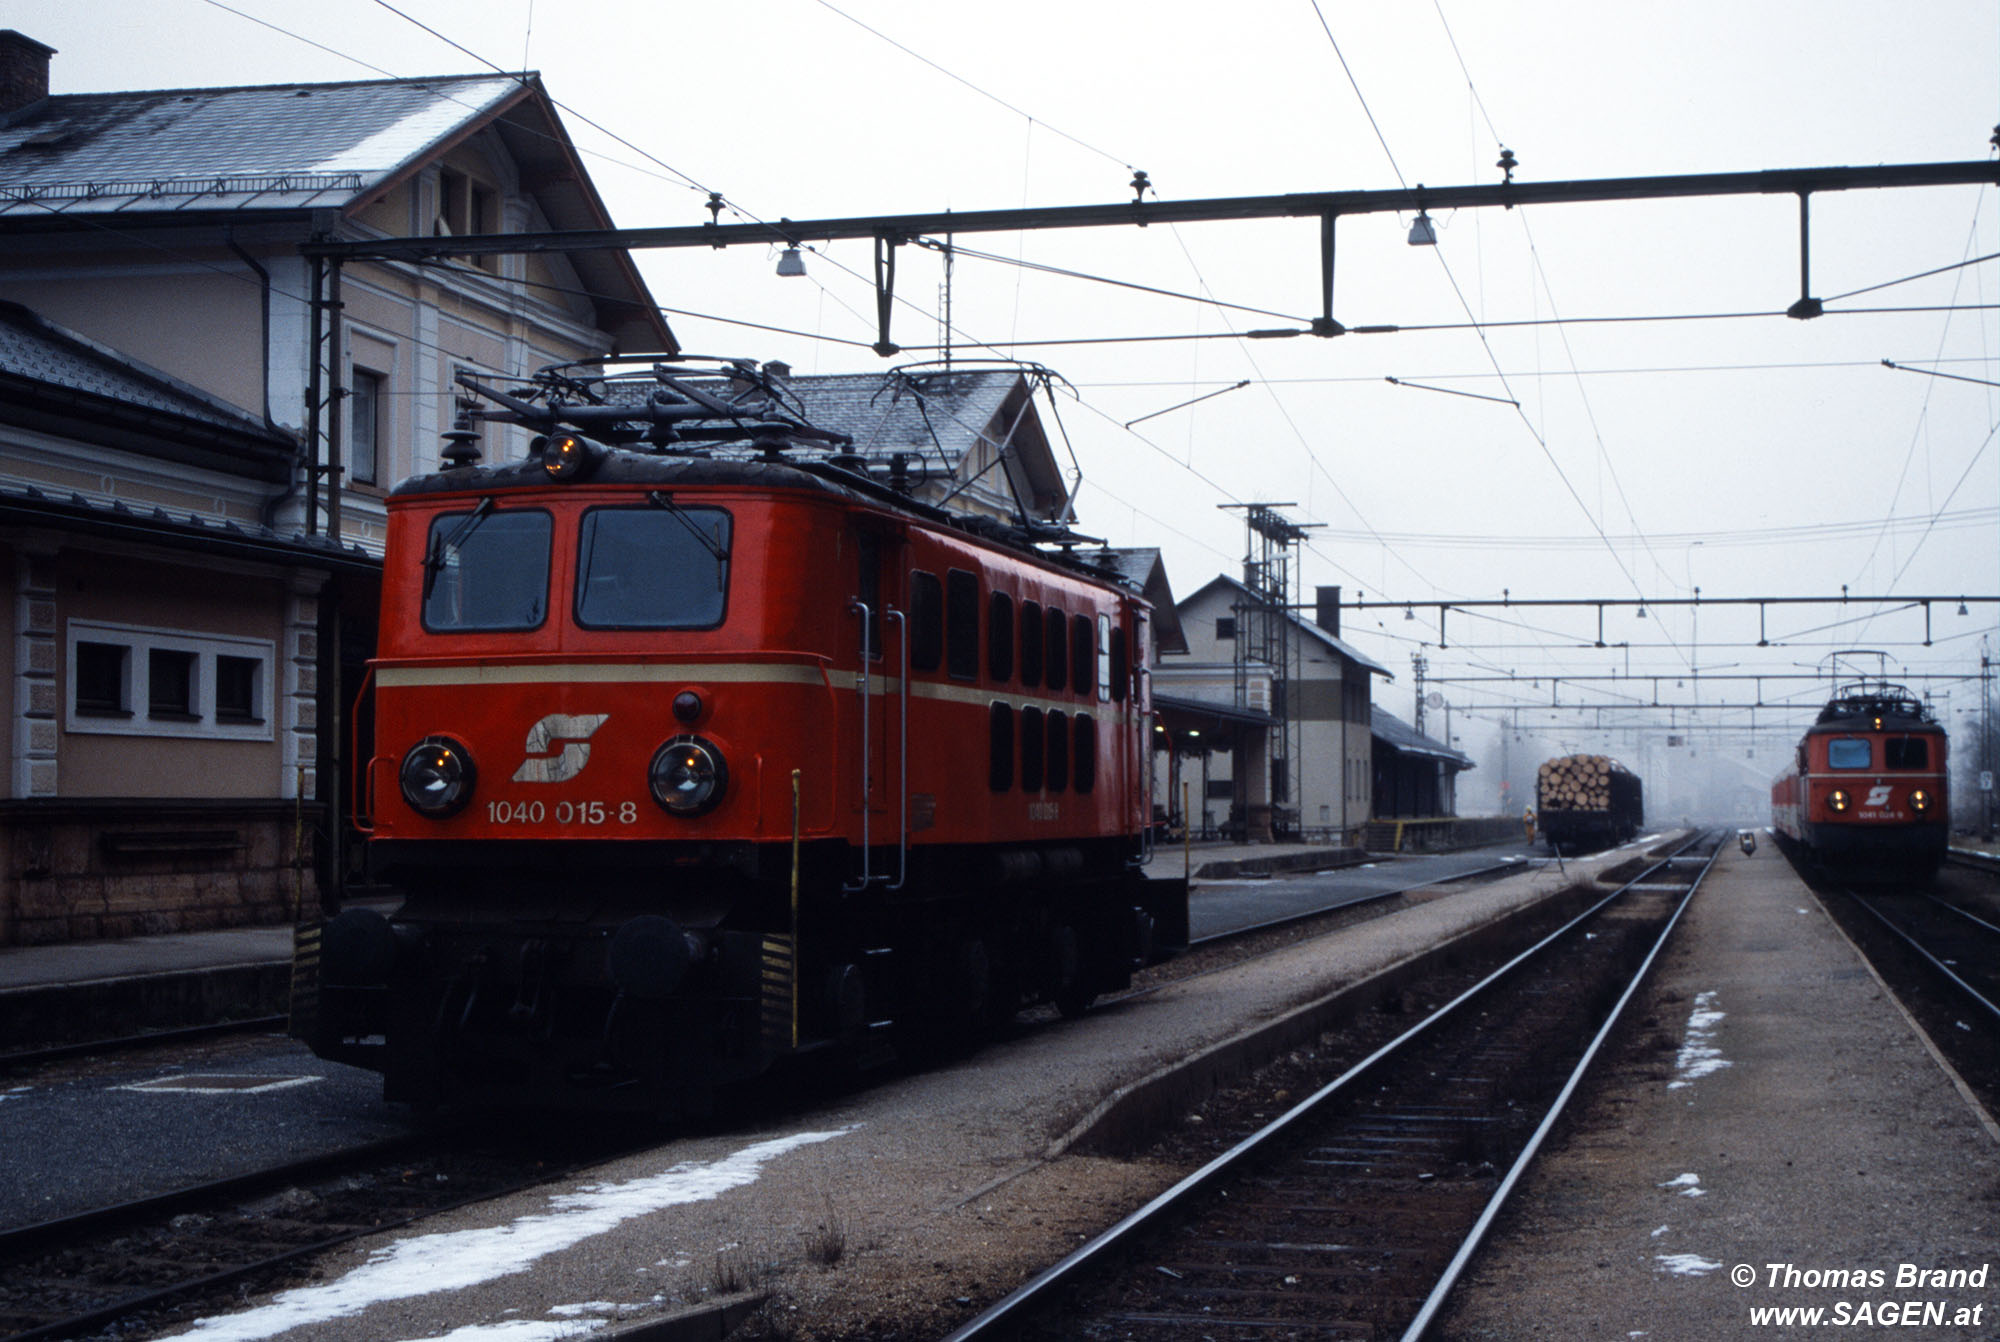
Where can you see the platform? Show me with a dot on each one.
(1774, 1122)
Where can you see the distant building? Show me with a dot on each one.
(1246, 787)
(1416, 778)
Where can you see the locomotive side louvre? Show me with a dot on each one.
(659, 823)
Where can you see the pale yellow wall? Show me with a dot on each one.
(191, 600)
(202, 327)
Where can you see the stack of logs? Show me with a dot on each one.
(1576, 783)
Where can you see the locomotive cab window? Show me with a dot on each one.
(1848, 752)
(1121, 666)
(487, 570)
(1906, 752)
(661, 567)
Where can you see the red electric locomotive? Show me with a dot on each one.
(1865, 794)
(698, 746)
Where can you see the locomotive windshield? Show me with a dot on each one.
(487, 570)
(1847, 752)
(659, 567)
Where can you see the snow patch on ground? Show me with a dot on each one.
(1699, 1056)
(454, 1260)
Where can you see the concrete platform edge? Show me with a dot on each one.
(1979, 1111)
(49, 1014)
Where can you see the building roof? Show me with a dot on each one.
(1146, 572)
(1306, 626)
(1397, 734)
(940, 417)
(271, 147)
(60, 382)
(287, 149)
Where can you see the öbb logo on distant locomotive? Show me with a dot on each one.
(572, 732)
(1878, 795)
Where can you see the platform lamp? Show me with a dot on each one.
(791, 263)
(1422, 232)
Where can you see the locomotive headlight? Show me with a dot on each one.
(437, 777)
(567, 456)
(1920, 800)
(1837, 799)
(688, 776)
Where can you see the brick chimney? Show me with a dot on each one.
(24, 71)
(1326, 609)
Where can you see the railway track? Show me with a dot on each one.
(1940, 952)
(1351, 1215)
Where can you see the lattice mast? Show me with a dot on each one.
(1266, 641)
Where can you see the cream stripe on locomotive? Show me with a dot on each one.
(726, 673)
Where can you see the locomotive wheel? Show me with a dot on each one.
(1074, 987)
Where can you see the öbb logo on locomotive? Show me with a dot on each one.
(881, 776)
(572, 732)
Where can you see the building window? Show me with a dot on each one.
(98, 671)
(171, 685)
(364, 427)
(209, 686)
(1225, 629)
(466, 207)
(238, 696)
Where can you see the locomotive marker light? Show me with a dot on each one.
(688, 776)
(437, 777)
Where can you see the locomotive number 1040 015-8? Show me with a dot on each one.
(501, 811)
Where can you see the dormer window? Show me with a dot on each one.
(466, 207)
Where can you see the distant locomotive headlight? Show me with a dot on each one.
(1837, 799)
(1920, 799)
(688, 776)
(437, 777)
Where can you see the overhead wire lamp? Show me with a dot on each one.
(791, 263)
(1422, 232)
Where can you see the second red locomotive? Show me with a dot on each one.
(1865, 792)
(698, 746)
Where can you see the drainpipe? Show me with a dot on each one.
(269, 513)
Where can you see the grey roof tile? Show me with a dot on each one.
(287, 146)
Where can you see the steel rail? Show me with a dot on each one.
(1002, 1315)
(1435, 1301)
(1951, 975)
(36, 1057)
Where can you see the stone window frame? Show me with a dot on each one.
(201, 722)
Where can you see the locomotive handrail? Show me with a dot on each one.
(903, 753)
(363, 818)
(861, 608)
